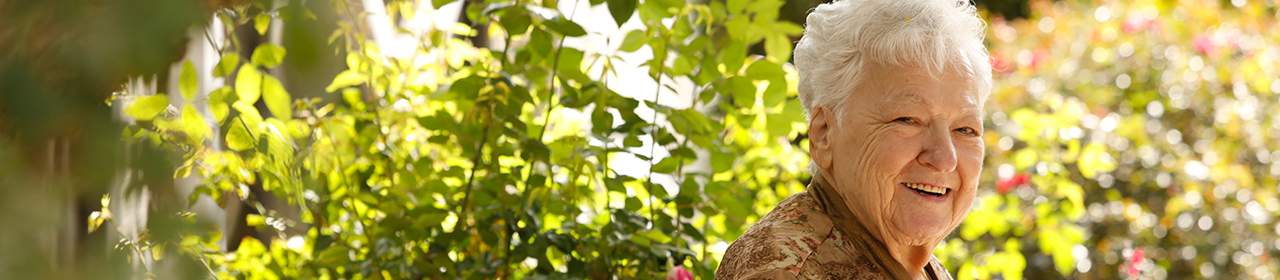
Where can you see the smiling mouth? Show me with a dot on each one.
(927, 189)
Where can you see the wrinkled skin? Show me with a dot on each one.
(902, 125)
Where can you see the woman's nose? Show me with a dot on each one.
(938, 152)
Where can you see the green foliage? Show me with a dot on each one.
(187, 80)
(267, 55)
(1110, 146)
(148, 107)
(1120, 144)
(473, 166)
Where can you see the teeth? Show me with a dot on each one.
(927, 188)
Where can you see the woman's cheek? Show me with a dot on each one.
(970, 156)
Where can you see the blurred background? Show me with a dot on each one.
(599, 139)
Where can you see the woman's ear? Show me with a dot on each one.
(819, 144)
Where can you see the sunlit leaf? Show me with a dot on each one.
(187, 81)
(226, 65)
(347, 78)
(261, 22)
(1095, 158)
(194, 125)
(248, 84)
(267, 55)
(276, 98)
(248, 113)
(238, 136)
(148, 107)
(218, 105)
(634, 40)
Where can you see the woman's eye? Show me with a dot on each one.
(905, 120)
(968, 130)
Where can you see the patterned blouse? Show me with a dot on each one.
(797, 241)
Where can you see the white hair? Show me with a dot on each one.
(843, 37)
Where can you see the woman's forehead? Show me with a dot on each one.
(965, 101)
(906, 85)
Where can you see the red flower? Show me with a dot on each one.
(1136, 261)
(679, 273)
(1007, 184)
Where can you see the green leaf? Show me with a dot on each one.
(248, 113)
(566, 27)
(743, 91)
(248, 84)
(334, 256)
(193, 124)
(218, 103)
(348, 78)
(788, 28)
(95, 220)
(666, 165)
(440, 3)
(277, 99)
(148, 107)
(238, 136)
(778, 125)
(157, 252)
(621, 10)
(764, 70)
(571, 65)
(667, 4)
(775, 93)
(778, 46)
(515, 21)
(250, 248)
(540, 43)
(737, 28)
(353, 98)
(721, 162)
(733, 56)
(267, 55)
(682, 65)
(187, 81)
(1025, 158)
(1094, 159)
(261, 22)
(601, 121)
(736, 6)
(633, 41)
(226, 65)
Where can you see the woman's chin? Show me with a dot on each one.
(920, 231)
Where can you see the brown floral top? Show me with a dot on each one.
(797, 241)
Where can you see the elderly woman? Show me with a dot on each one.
(894, 93)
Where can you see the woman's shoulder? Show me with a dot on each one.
(781, 241)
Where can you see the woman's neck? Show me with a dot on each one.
(913, 258)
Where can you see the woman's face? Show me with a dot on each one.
(906, 153)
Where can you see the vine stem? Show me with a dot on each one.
(555, 74)
(653, 145)
(475, 164)
(657, 95)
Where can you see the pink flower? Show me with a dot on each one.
(679, 273)
(1134, 24)
(1204, 44)
(1040, 57)
(1136, 261)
